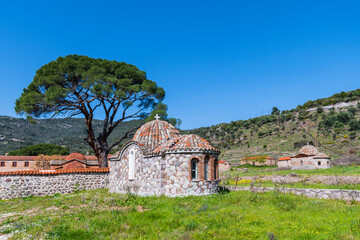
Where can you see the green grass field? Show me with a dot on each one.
(274, 170)
(236, 215)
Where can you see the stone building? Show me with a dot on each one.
(160, 161)
(16, 163)
(307, 158)
(75, 160)
(224, 166)
(284, 162)
(21, 163)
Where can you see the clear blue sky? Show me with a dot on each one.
(218, 61)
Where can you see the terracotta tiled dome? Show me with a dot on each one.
(154, 133)
(77, 156)
(185, 142)
(308, 150)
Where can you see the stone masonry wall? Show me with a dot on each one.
(14, 186)
(160, 175)
(312, 193)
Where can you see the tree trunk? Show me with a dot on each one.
(103, 159)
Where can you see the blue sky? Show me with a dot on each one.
(218, 61)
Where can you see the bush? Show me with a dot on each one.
(354, 125)
(344, 117)
(338, 124)
(38, 149)
(319, 109)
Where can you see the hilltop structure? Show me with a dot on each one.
(160, 161)
(307, 158)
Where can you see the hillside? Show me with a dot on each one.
(332, 124)
(16, 133)
(333, 129)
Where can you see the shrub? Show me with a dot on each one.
(338, 124)
(354, 125)
(344, 117)
(38, 149)
(319, 109)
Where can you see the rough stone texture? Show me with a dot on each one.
(308, 158)
(41, 185)
(224, 166)
(309, 163)
(351, 195)
(167, 174)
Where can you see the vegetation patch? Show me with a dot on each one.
(237, 215)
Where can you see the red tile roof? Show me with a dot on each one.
(153, 133)
(72, 156)
(185, 142)
(284, 158)
(55, 172)
(17, 158)
(75, 156)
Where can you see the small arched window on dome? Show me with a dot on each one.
(206, 167)
(194, 169)
(132, 165)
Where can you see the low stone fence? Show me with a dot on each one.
(48, 182)
(351, 195)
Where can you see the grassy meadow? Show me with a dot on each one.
(274, 170)
(237, 215)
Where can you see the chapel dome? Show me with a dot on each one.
(190, 142)
(153, 133)
(75, 156)
(308, 150)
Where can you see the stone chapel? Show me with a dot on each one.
(161, 161)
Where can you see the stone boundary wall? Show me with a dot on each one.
(48, 182)
(351, 195)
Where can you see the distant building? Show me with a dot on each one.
(224, 166)
(16, 163)
(259, 161)
(74, 160)
(307, 158)
(284, 162)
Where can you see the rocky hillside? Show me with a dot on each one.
(333, 129)
(332, 124)
(16, 133)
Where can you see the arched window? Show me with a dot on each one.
(132, 165)
(194, 169)
(215, 169)
(319, 163)
(301, 162)
(206, 168)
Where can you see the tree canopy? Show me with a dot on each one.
(80, 85)
(38, 149)
(161, 110)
